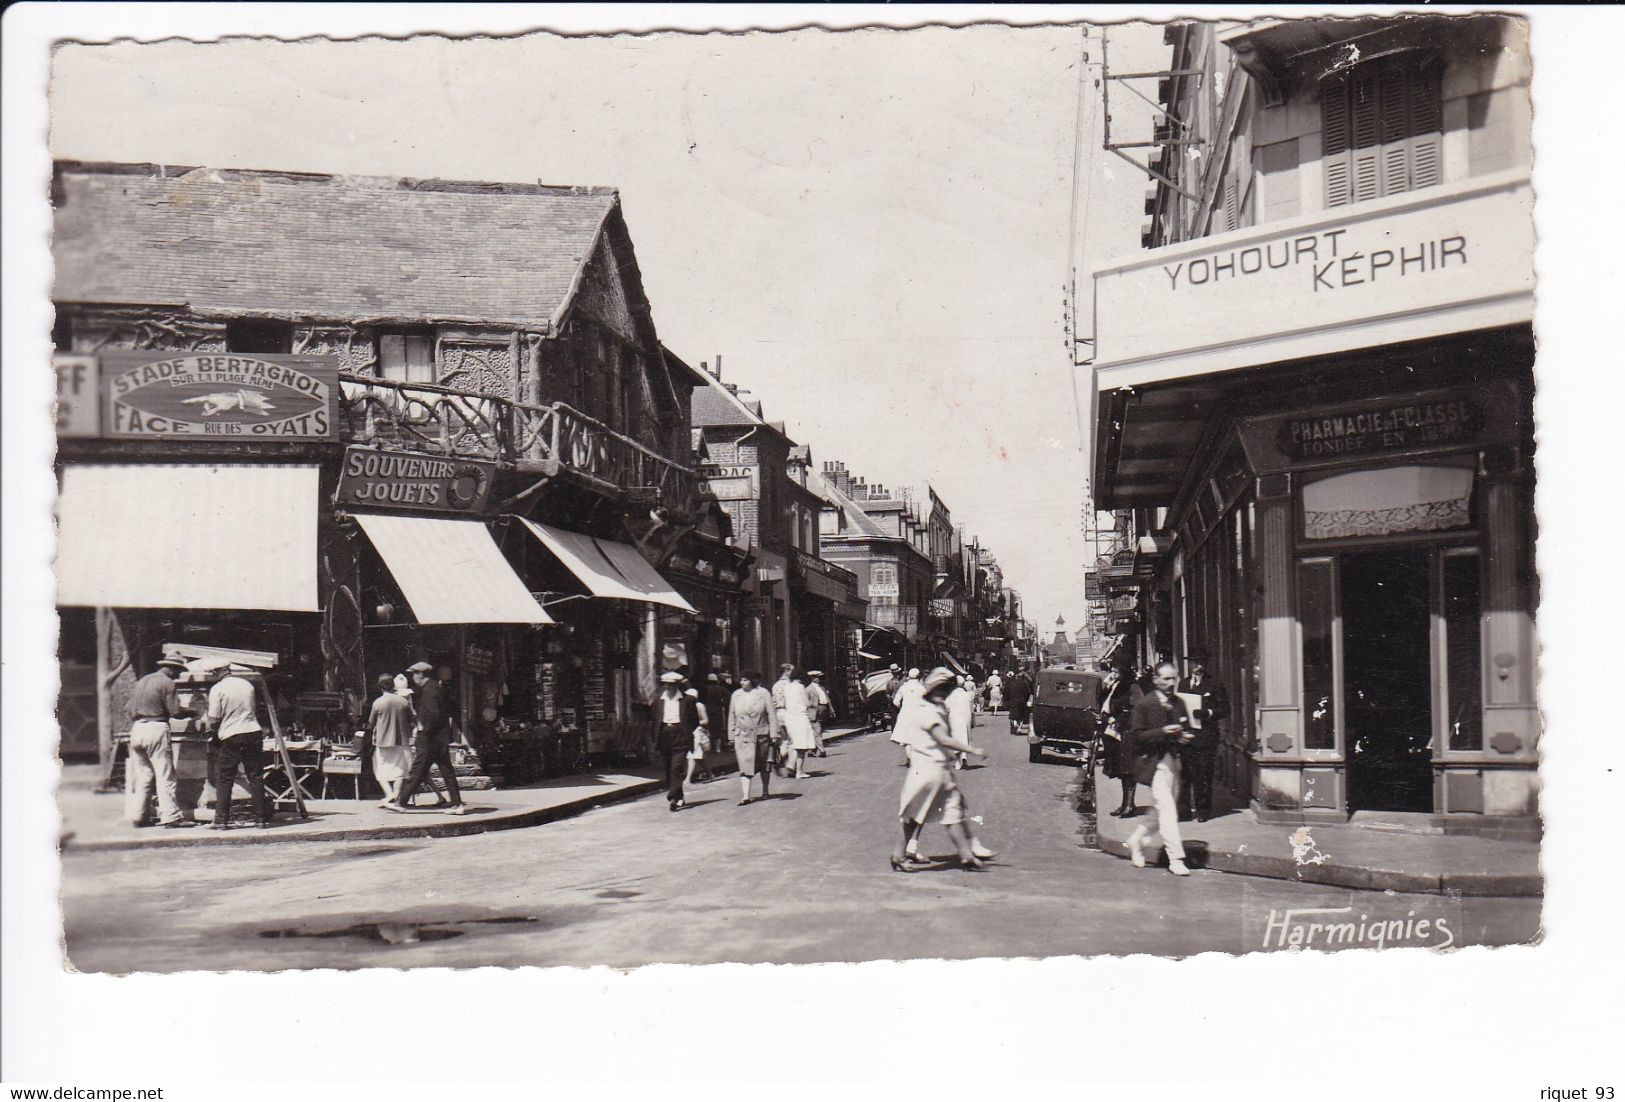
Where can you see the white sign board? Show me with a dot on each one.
(1427, 263)
(78, 396)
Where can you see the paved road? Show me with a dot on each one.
(801, 878)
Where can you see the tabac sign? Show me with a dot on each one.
(219, 396)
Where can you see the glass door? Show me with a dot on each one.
(1391, 666)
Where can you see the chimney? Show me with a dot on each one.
(705, 368)
(719, 367)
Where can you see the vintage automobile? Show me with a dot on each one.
(1066, 718)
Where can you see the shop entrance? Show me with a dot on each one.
(1387, 679)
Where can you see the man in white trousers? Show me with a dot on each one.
(1159, 725)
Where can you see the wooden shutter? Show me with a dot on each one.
(1381, 130)
(1425, 123)
(1230, 202)
(1364, 134)
(1334, 140)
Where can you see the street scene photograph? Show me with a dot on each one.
(455, 567)
(610, 506)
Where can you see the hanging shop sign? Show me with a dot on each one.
(401, 480)
(883, 589)
(942, 607)
(733, 483)
(219, 396)
(479, 661)
(78, 396)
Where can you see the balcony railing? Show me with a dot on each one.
(904, 620)
(440, 420)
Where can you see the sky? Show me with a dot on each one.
(869, 228)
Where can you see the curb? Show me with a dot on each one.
(1349, 876)
(456, 828)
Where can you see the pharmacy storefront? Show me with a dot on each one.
(1337, 419)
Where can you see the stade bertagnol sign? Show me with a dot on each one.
(218, 396)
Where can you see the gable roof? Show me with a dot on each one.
(245, 243)
(857, 521)
(714, 405)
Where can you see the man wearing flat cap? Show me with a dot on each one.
(675, 715)
(153, 703)
(433, 743)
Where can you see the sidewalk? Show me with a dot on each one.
(95, 821)
(1347, 856)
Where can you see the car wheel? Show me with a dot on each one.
(1035, 754)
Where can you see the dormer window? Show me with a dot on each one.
(1382, 128)
(406, 355)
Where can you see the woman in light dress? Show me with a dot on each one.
(929, 792)
(798, 726)
(390, 726)
(752, 729)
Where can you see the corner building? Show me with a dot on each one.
(1313, 403)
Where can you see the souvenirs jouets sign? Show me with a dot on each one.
(216, 396)
(400, 480)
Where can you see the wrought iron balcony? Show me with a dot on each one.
(438, 420)
(898, 617)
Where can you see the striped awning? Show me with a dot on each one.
(188, 536)
(451, 571)
(607, 568)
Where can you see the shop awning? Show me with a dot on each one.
(451, 571)
(188, 536)
(607, 568)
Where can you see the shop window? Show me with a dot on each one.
(1382, 128)
(407, 355)
(1317, 609)
(1463, 688)
(267, 336)
(1388, 501)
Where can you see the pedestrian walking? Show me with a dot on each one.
(233, 718)
(818, 710)
(432, 744)
(696, 772)
(961, 704)
(1128, 692)
(389, 733)
(929, 792)
(1196, 758)
(790, 697)
(908, 691)
(1160, 724)
(676, 718)
(752, 727)
(150, 767)
(1021, 700)
(995, 692)
(715, 695)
